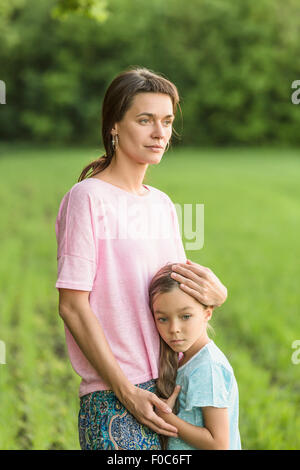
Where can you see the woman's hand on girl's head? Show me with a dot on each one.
(140, 403)
(200, 282)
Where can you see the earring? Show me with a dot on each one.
(167, 146)
(115, 142)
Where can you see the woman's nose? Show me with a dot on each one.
(158, 130)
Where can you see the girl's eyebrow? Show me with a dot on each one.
(154, 115)
(159, 312)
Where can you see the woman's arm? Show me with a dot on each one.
(200, 282)
(215, 434)
(75, 310)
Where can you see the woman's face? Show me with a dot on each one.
(146, 128)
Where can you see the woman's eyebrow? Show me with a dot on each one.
(154, 115)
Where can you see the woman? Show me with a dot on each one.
(106, 259)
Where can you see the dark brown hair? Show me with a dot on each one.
(118, 99)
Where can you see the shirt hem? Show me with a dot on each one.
(100, 386)
(69, 285)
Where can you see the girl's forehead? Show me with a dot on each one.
(175, 299)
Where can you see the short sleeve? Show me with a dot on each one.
(76, 241)
(209, 385)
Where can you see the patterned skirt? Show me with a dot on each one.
(105, 424)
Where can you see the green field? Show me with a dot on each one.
(252, 225)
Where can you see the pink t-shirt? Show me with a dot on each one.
(111, 243)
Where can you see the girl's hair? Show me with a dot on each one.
(161, 283)
(118, 99)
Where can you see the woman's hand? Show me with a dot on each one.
(140, 403)
(200, 282)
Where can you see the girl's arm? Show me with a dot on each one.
(75, 310)
(215, 434)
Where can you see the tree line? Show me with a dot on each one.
(233, 62)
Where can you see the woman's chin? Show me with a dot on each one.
(151, 157)
(154, 159)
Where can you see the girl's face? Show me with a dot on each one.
(181, 321)
(146, 128)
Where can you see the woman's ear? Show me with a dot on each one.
(114, 129)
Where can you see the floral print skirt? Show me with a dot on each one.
(105, 424)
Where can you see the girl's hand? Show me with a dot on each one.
(200, 282)
(172, 398)
(140, 403)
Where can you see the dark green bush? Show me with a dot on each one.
(233, 62)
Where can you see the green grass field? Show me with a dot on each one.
(252, 225)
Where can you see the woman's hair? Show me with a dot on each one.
(161, 283)
(118, 99)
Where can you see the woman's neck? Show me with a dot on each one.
(126, 174)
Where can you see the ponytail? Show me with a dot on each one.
(95, 167)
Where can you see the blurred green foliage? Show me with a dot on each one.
(233, 62)
(91, 8)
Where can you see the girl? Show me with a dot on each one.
(106, 259)
(208, 400)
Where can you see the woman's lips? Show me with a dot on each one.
(155, 149)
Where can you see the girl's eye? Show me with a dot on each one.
(168, 123)
(162, 320)
(186, 317)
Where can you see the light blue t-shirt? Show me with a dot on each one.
(207, 379)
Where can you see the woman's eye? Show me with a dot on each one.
(161, 320)
(186, 317)
(145, 121)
